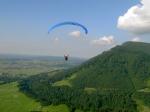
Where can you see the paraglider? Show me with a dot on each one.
(66, 57)
(68, 23)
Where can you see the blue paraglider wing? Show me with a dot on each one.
(68, 23)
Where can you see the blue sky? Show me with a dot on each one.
(24, 25)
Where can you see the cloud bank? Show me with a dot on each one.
(137, 19)
(106, 40)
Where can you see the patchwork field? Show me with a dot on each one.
(31, 65)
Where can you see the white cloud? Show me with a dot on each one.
(136, 19)
(75, 34)
(56, 39)
(106, 40)
(136, 39)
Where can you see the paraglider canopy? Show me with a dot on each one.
(68, 23)
(66, 57)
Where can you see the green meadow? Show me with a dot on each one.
(11, 100)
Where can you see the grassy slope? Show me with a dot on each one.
(140, 103)
(141, 107)
(65, 82)
(11, 100)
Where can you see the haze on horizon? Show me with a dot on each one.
(24, 26)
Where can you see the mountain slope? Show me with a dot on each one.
(125, 67)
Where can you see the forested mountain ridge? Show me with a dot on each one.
(123, 67)
(105, 83)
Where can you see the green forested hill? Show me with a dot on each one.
(114, 81)
(137, 46)
(123, 67)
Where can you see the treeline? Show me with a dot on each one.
(7, 78)
(40, 87)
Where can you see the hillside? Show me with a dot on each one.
(125, 67)
(112, 81)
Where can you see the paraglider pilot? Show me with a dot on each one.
(66, 57)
